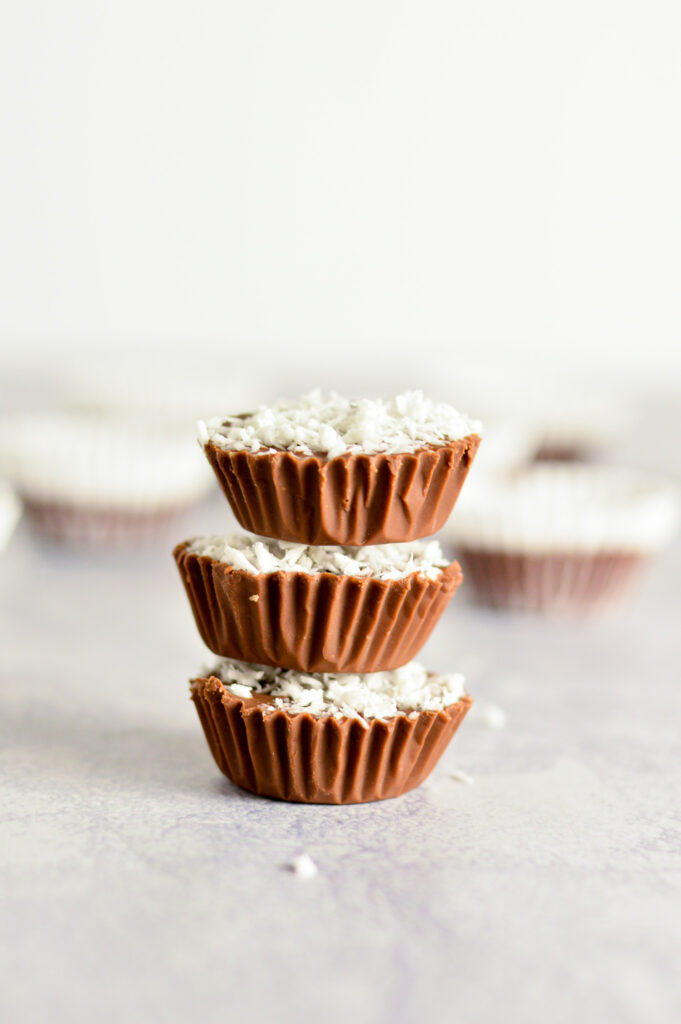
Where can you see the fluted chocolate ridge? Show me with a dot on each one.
(354, 499)
(300, 758)
(320, 622)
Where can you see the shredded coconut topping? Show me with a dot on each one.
(382, 561)
(407, 690)
(331, 425)
(563, 507)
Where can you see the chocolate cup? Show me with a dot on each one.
(570, 582)
(312, 760)
(554, 451)
(313, 623)
(351, 499)
(85, 524)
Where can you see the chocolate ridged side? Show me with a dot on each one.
(313, 622)
(320, 760)
(353, 499)
(571, 582)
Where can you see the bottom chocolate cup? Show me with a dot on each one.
(570, 582)
(320, 760)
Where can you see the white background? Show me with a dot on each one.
(368, 183)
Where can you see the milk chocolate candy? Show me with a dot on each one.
(353, 499)
(322, 760)
(321, 622)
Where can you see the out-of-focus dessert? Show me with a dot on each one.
(561, 537)
(100, 479)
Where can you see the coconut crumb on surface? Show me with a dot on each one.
(263, 555)
(461, 776)
(303, 866)
(331, 425)
(407, 690)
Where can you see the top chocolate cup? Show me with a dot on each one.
(355, 499)
(324, 469)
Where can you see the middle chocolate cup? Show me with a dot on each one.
(316, 621)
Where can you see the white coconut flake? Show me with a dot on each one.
(460, 776)
(407, 690)
(264, 555)
(304, 866)
(331, 425)
(240, 691)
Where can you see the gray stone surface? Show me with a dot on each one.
(138, 884)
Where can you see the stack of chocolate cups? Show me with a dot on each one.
(308, 629)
